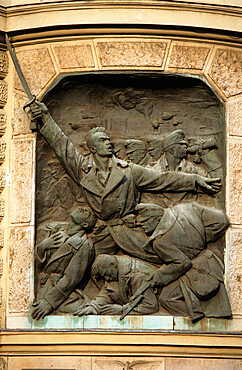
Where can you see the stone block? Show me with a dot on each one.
(22, 192)
(202, 364)
(132, 53)
(2, 208)
(221, 364)
(3, 122)
(2, 179)
(1, 238)
(20, 120)
(206, 324)
(117, 363)
(74, 56)
(4, 63)
(50, 362)
(226, 71)
(235, 182)
(183, 363)
(188, 56)
(2, 151)
(37, 67)
(234, 109)
(3, 93)
(20, 270)
(235, 270)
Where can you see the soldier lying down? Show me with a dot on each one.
(191, 276)
(123, 277)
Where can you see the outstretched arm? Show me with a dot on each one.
(150, 180)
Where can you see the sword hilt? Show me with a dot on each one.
(33, 123)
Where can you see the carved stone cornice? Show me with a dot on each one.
(155, 12)
(120, 343)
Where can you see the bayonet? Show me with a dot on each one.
(136, 298)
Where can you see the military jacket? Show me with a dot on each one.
(121, 193)
(184, 231)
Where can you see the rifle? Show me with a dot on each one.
(32, 98)
(135, 299)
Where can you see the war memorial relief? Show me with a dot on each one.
(130, 198)
(120, 185)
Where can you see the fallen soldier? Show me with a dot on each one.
(191, 277)
(64, 256)
(123, 277)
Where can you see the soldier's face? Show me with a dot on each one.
(111, 274)
(180, 150)
(136, 156)
(72, 227)
(155, 153)
(148, 225)
(102, 145)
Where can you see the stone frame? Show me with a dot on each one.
(42, 64)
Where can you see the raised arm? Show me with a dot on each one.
(70, 158)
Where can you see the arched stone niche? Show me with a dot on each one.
(218, 65)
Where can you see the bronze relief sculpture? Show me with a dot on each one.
(148, 241)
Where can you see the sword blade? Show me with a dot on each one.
(18, 68)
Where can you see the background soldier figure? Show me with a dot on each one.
(136, 152)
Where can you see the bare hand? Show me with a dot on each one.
(89, 310)
(155, 280)
(52, 241)
(41, 309)
(211, 185)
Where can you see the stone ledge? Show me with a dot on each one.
(92, 322)
(155, 323)
(78, 343)
(40, 15)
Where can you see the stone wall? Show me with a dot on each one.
(4, 67)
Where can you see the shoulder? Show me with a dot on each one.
(193, 168)
(121, 163)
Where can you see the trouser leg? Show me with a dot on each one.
(172, 299)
